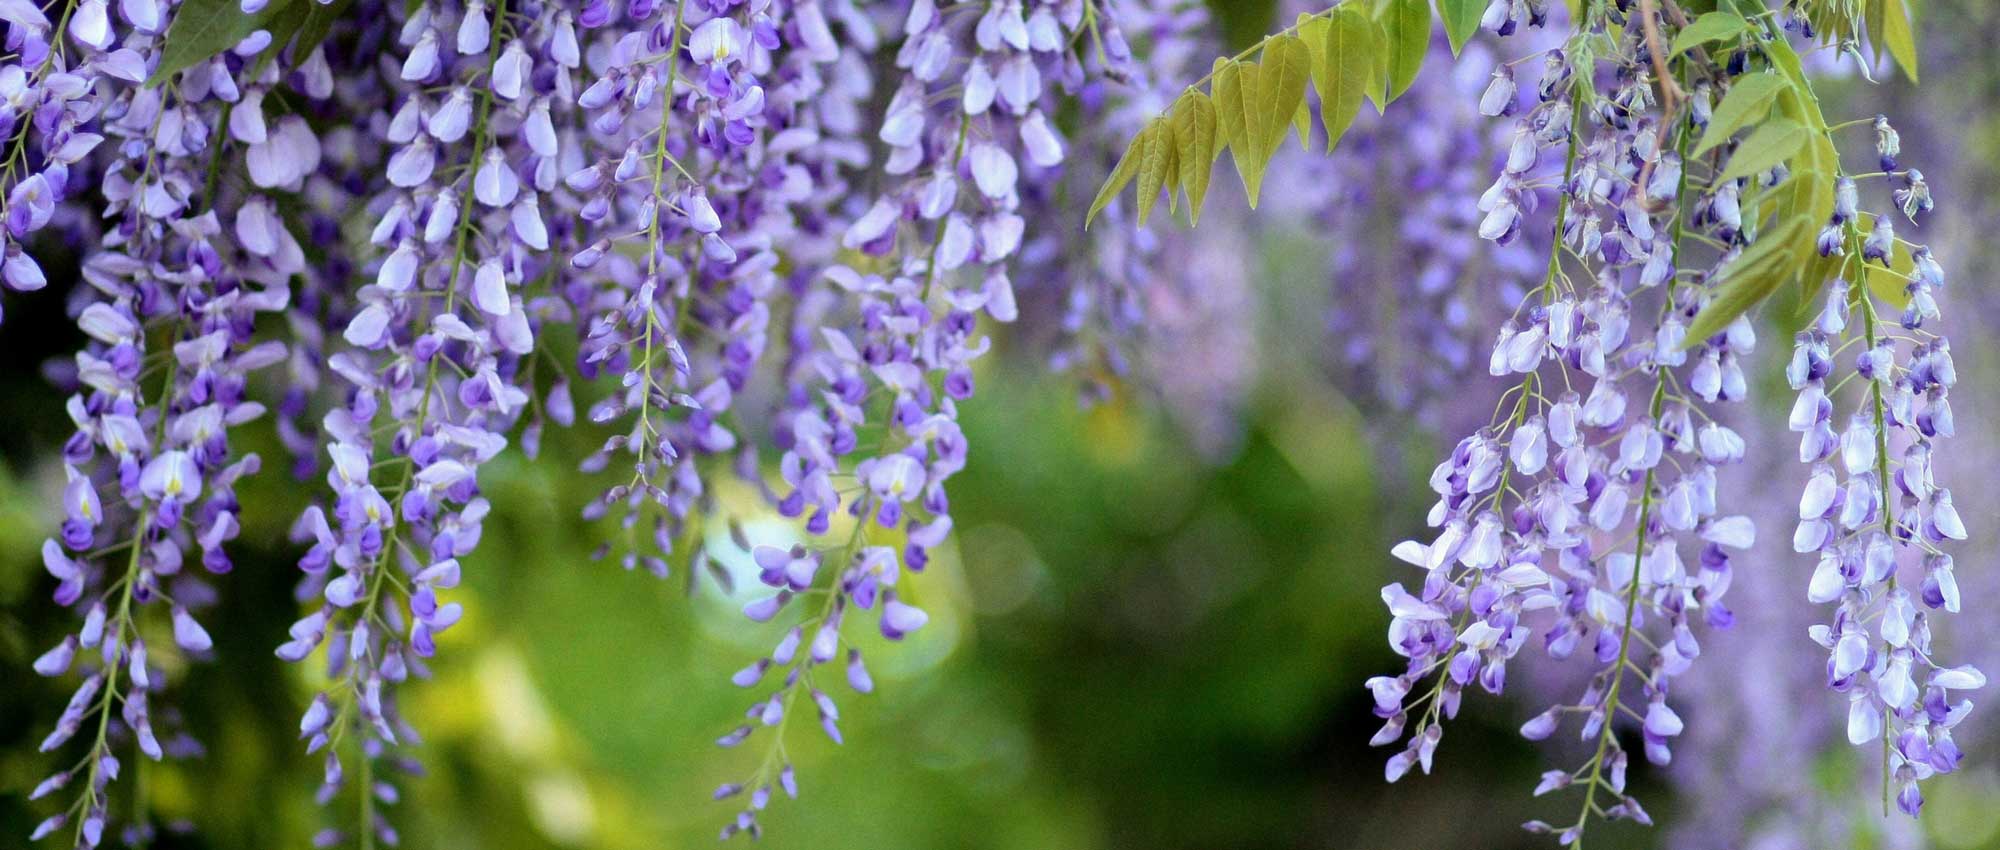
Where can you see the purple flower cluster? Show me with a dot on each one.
(885, 335)
(1585, 517)
(169, 316)
(1873, 510)
(419, 196)
(782, 228)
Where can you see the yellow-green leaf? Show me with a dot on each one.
(1874, 19)
(1227, 94)
(1271, 92)
(1302, 123)
(1774, 142)
(1714, 26)
(1194, 130)
(1748, 100)
(1899, 33)
(1121, 176)
(1749, 279)
(1378, 66)
(1286, 67)
(1156, 167)
(1343, 60)
(1234, 86)
(1461, 20)
(1408, 25)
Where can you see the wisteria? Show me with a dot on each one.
(877, 405)
(773, 243)
(1564, 520)
(1873, 501)
(1558, 540)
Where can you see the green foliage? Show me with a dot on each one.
(1890, 25)
(1344, 54)
(202, 29)
(1194, 127)
(1714, 26)
(1776, 141)
(1156, 166)
(1461, 20)
(305, 24)
(1749, 279)
(1748, 101)
(1343, 63)
(1272, 93)
(1407, 24)
(1121, 176)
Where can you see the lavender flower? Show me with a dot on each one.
(1873, 510)
(1566, 518)
(150, 474)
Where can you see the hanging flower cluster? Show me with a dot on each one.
(776, 235)
(400, 206)
(1563, 521)
(1873, 509)
(1408, 171)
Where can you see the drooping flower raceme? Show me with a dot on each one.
(1586, 518)
(1872, 408)
(149, 499)
(1408, 171)
(777, 229)
(885, 347)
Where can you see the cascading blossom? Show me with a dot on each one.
(776, 231)
(169, 320)
(886, 347)
(1565, 521)
(1873, 509)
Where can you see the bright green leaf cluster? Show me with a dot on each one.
(1358, 50)
(1784, 132)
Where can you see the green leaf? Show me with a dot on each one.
(1461, 20)
(1714, 26)
(1269, 93)
(1156, 167)
(1899, 34)
(1773, 142)
(1749, 99)
(1232, 117)
(1227, 92)
(1875, 24)
(1286, 67)
(1378, 67)
(1408, 25)
(1302, 123)
(202, 29)
(1194, 127)
(1343, 59)
(1121, 176)
(1749, 279)
(304, 26)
